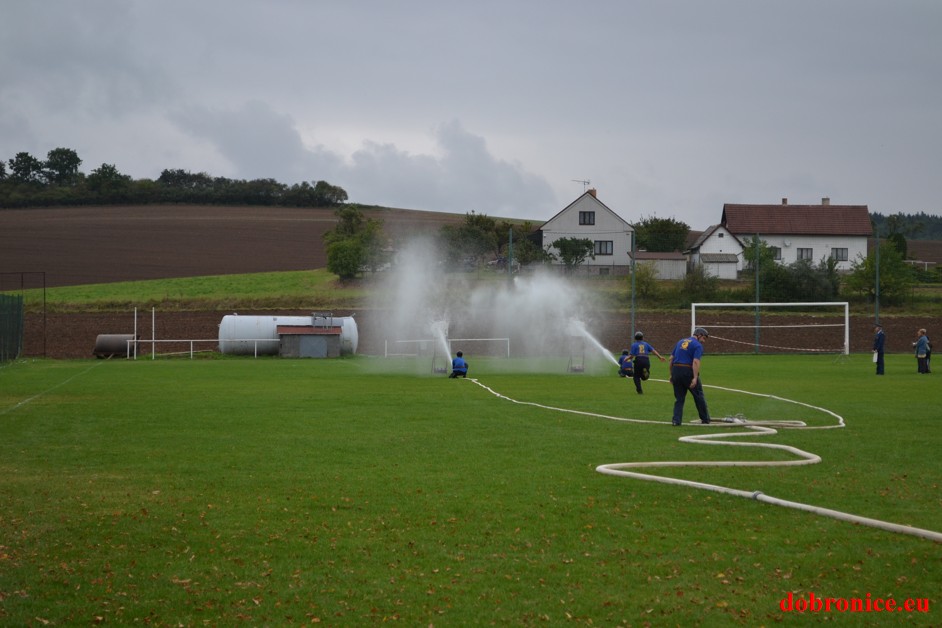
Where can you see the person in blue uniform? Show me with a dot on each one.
(459, 368)
(685, 375)
(640, 352)
(879, 340)
(625, 368)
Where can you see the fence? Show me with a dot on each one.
(11, 327)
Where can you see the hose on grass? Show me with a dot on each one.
(723, 438)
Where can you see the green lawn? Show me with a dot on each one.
(361, 491)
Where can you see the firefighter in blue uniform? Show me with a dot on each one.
(685, 375)
(459, 368)
(625, 368)
(640, 352)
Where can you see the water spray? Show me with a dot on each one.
(439, 331)
(578, 328)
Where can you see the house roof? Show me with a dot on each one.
(719, 258)
(825, 219)
(654, 256)
(591, 194)
(705, 235)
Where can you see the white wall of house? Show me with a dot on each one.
(720, 241)
(848, 248)
(609, 230)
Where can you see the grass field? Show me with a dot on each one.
(361, 490)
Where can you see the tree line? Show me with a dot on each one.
(920, 226)
(358, 245)
(26, 181)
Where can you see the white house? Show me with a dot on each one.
(718, 251)
(589, 218)
(803, 232)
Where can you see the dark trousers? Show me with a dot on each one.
(879, 363)
(922, 365)
(681, 378)
(642, 370)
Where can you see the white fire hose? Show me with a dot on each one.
(754, 428)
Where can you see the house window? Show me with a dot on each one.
(805, 254)
(604, 247)
(719, 235)
(586, 218)
(839, 255)
(776, 253)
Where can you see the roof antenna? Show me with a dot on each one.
(585, 183)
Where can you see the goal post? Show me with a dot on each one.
(822, 326)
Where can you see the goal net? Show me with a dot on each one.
(813, 327)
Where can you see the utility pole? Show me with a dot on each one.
(876, 299)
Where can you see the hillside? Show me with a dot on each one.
(86, 245)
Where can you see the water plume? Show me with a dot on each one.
(539, 312)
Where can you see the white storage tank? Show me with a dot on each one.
(258, 335)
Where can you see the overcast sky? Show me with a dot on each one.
(669, 107)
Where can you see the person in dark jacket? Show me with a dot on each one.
(922, 351)
(879, 340)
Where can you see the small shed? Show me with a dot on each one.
(721, 265)
(667, 265)
(309, 341)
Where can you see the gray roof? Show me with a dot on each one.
(714, 258)
(648, 255)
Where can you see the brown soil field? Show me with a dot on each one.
(75, 246)
(91, 245)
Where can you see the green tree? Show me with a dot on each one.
(661, 234)
(354, 244)
(574, 251)
(107, 180)
(800, 281)
(757, 247)
(62, 166)
(896, 276)
(327, 195)
(350, 224)
(645, 281)
(345, 258)
(24, 168)
(526, 250)
(468, 243)
(699, 286)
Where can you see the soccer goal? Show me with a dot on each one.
(812, 327)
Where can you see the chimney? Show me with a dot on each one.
(825, 201)
(593, 192)
(784, 201)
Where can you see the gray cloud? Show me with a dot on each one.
(669, 108)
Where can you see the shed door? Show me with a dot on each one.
(313, 347)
